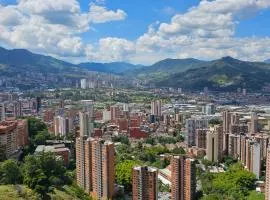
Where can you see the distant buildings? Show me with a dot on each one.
(254, 123)
(83, 84)
(156, 108)
(209, 109)
(61, 126)
(86, 126)
(95, 167)
(192, 125)
(144, 183)
(201, 138)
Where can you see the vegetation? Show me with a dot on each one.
(10, 172)
(225, 74)
(12, 192)
(38, 134)
(44, 171)
(163, 187)
(235, 183)
(124, 173)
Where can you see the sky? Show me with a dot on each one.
(137, 31)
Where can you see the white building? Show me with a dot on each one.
(256, 159)
(83, 84)
(106, 115)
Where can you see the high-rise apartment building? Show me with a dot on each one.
(115, 112)
(254, 123)
(267, 177)
(234, 141)
(253, 157)
(192, 125)
(226, 131)
(201, 138)
(13, 136)
(183, 178)
(61, 126)
(214, 143)
(156, 108)
(144, 183)
(209, 109)
(83, 84)
(86, 126)
(2, 112)
(95, 167)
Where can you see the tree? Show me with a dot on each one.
(122, 139)
(215, 121)
(2, 153)
(10, 172)
(235, 183)
(43, 171)
(35, 125)
(124, 173)
(163, 187)
(41, 137)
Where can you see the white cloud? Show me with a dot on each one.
(99, 14)
(111, 49)
(205, 31)
(51, 26)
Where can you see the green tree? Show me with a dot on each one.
(163, 187)
(41, 137)
(43, 171)
(10, 172)
(35, 125)
(124, 173)
(2, 153)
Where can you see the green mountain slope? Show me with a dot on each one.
(163, 69)
(114, 67)
(224, 74)
(24, 60)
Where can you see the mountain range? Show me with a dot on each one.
(114, 67)
(24, 60)
(223, 74)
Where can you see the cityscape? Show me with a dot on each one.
(145, 100)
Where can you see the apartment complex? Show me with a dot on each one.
(13, 135)
(183, 178)
(144, 183)
(95, 167)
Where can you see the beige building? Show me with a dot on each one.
(214, 143)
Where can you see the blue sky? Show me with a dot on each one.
(139, 31)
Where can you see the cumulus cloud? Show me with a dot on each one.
(99, 14)
(205, 31)
(111, 49)
(51, 26)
